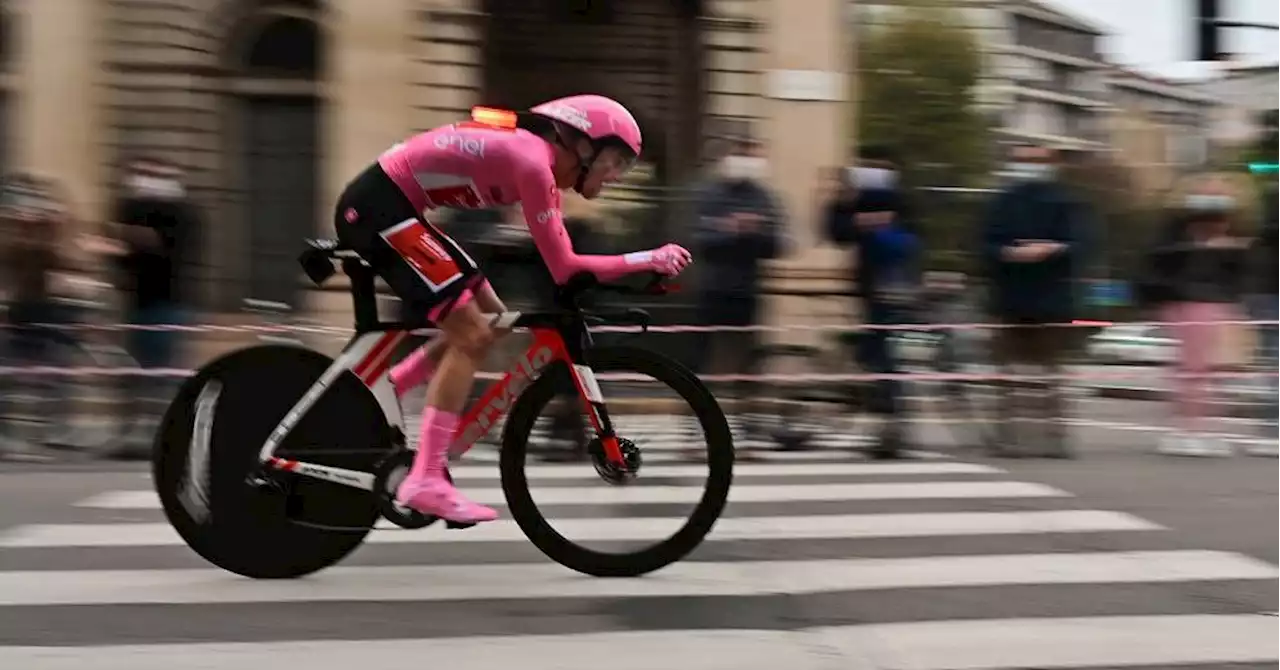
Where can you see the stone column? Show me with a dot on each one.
(806, 121)
(805, 66)
(59, 119)
(369, 84)
(367, 109)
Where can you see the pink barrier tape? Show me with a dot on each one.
(624, 377)
(334, 330)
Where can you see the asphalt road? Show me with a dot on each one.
(1119, 558)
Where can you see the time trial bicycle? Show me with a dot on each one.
(276, 461)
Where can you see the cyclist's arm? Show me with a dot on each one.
(541, 203)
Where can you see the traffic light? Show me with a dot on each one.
(1208, 46)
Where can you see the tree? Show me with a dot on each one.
(917, 74)
(918, 71)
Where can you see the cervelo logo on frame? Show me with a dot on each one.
(461, 144)
(570, 115)
(523, 374)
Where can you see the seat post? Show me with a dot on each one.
(364, 297)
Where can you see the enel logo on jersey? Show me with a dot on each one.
(466, 145)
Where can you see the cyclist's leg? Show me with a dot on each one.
(420, 365)
(429, 271)
(468, 335)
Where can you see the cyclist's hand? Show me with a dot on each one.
(669, 260)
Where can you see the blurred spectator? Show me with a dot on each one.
(1196, 274)
(1269, 294)
(35, 239)
(739, 226)
(156, 225)
(1032, 252)
(868, 213)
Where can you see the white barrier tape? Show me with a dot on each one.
(628, 377)
(848, 328)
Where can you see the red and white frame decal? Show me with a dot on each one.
(374, 364)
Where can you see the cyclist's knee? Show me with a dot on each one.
(467, 329)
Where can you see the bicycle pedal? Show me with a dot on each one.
(456, 525)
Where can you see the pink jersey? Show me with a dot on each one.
(469, 166)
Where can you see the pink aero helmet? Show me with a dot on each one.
(599, 118)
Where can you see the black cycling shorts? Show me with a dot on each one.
(425, 267)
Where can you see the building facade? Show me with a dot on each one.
(272, 105)
(1159, 129)
(1043, 77)
(1249, 103)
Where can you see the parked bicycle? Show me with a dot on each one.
(276, 461)
(62, 399)
(942, 390)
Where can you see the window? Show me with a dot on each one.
(286, 46)
(583, 11)
(1054, 38)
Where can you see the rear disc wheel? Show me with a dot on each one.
(205, 458)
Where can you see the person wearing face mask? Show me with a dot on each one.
(869, 214)
(1031, 244)
(155, 224)
(738, 227)
(1195, 276)
(1264, 306)
(35, 232)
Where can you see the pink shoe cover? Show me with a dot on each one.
(435, 496)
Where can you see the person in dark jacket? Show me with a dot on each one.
(157, 224)
(1032, 252)
(739, 226)
(1264, 303)
(869, 214)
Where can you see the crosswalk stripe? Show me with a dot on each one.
(468, 473)
(980, 644)
(947, 565)
(1067, 642)
(640, 493)
(818, 526)
(672, 452)
(522, 581)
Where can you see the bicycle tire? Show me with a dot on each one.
(720, 457)
(253, 531)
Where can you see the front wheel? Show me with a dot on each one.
(698, 402)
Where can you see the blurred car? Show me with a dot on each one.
(1149, 345)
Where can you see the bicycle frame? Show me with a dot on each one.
(368, 357)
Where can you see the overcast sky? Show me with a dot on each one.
(1156, 35)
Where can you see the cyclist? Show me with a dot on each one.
(498, 158)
